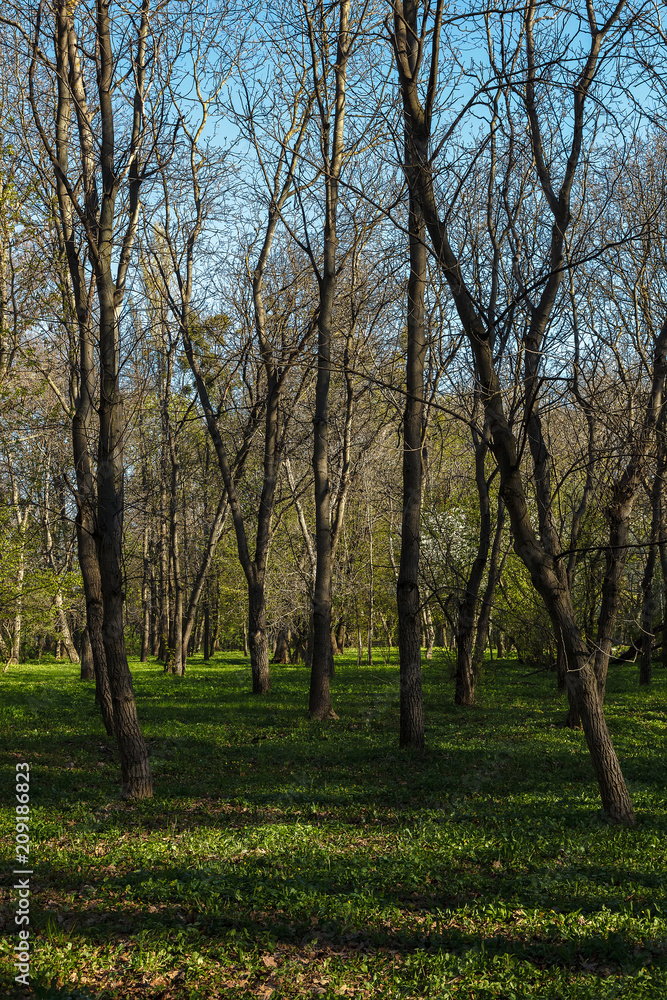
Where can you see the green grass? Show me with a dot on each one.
(282, 859)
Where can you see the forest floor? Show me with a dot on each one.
(286, 859)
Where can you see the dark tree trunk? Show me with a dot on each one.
(615, 556)
(282, 650)
(407, 587)
(663, 566)
(135, 767)
(154, 641)
(464, 692)
(145, 599)
(428, 632)
(258, 640)
(92, 585)
(648, 599)
(93, 194)
(207, 630)
(164, 626)
(332, 134)
(496, 565)
(561, 665)
(341, 636)
(87, 660)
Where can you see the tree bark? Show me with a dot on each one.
(428, 631)
(282, 650)
(648, 600)
(258, 639)
(145, 598)
(464, 693)
(207, 628)
(411, 724)
(332, 146)
(496, 565)
(87, 660)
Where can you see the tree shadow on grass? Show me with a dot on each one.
(341, 912)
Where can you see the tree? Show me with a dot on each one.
(540, 554)
(97, 186)
(407, 587)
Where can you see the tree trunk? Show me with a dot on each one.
(341, 636)
(155, 629)
(135, 767)
(176, 635)
(332, 146)
(164, 626)
(496, 565)
(207, 629)
(371, 590)
(464, 693)
(259, 643)
(428, 631)
(145, 599)
(65, 634)
(87, 661)
(17, 624)
(648, 600)
(281, 653)
(319, 704)
(616, 557)
(662, 535)
(407, 588)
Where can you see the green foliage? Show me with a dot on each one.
(281, 858)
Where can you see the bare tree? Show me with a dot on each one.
(95, 149)
(540, 554)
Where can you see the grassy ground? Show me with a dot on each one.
(284, 859)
